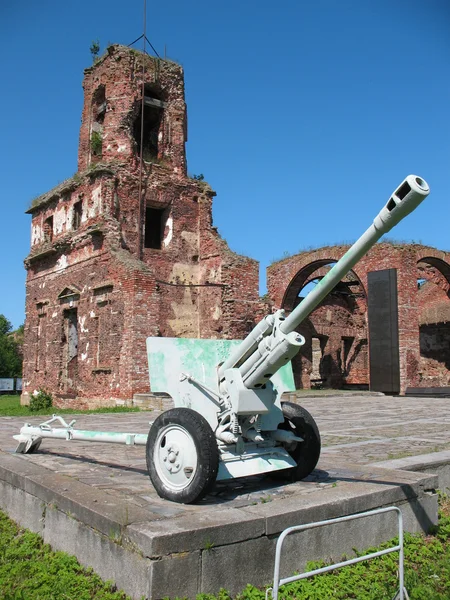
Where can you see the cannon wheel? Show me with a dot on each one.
(306, 454)
(182, 455)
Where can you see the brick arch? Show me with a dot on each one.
(285, 278)
(337, 324)
(431, 310)
(424, 253)
(303, 276)
(442, 279)
(434, 318)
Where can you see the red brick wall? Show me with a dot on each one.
(434, 322)
(120, 72)
(193, 286)
(412, 262)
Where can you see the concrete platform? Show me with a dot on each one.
(96, 500)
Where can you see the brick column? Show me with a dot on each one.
(141, 318)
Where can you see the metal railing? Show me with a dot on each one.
(402, 594)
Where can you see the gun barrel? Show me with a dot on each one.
(406, 198)
(248, 345)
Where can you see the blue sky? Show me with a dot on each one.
(303, 115)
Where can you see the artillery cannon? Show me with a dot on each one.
(228, 419)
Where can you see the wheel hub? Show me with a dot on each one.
(172, 459)
(175, 456)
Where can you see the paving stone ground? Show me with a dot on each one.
(355, 430)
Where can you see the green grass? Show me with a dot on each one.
(10, 407)
(427, 573)
(29, 570)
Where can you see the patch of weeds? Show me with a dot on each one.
(115, 537)
(222, 595)
(96, 143)
(400, 243)
(265, 499)
(286, 254)
(149, 157)
(36, 201)
(425, 451)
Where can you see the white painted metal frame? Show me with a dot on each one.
(32, 435)
(402, 594)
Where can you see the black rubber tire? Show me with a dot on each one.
(206, 448)
(307, 453)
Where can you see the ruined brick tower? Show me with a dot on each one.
(108, 266)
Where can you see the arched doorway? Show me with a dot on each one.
(433, 282)
(335, 352)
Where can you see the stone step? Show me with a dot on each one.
(300, 396)
(154, 401)
(428, 391)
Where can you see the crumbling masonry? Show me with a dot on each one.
(109, 267)
(116, 257)
(336, 350)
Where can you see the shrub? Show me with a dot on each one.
(41, 400)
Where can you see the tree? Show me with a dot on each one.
(94, 50)
(10, 351)
(5, 325)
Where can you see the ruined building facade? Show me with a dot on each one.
(336, 353)
(120, 253)
(117, 256)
